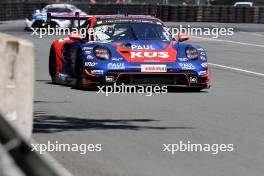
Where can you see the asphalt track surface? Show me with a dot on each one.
(132, 128)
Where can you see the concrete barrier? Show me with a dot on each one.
(16, 82)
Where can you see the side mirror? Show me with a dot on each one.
(75, 36)
(182, 37)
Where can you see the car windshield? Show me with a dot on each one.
(131, 31)
(59, 10)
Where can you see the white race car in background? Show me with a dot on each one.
(39, 18)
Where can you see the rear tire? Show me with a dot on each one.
(52, 64)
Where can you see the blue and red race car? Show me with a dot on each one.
(129, 49)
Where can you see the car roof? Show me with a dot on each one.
(122, 16)
(118, 19)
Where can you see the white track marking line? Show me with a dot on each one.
(234, 68)
(229, 41)
(237, 69)
(253, 33)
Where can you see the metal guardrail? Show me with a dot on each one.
(20, 151)
(224, 14)
(171, 2)
(164, 2)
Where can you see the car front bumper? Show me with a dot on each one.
(175, 79)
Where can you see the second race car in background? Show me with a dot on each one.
(129, 49)
(39, 18)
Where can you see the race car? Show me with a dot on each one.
(39, 18)
(128, 49)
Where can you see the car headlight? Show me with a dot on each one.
(102, 52)
(191, 53)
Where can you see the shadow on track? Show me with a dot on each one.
(51, 124)
(186, 90)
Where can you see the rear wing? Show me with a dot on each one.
(75, 16)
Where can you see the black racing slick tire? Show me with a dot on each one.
(52, 64)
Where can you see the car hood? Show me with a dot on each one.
(147, 51)
(145, 44)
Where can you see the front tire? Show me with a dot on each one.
(52, 64)
(79, 69)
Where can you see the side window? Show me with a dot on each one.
(85, 26)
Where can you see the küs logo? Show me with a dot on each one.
(149, 54)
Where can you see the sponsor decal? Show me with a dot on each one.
(109, 79)
(202, 53)
(203, 58)
(87, 48)
(153, 68)
(201, 73)
(89, 57)
(149, 54)
(187, 66)
(90, 64)
(204, 64)
(200, 49)
(88, 52)
(117, 59)
(62, 40)
(116, 66)
(124, 20)
(97, 72)
(142, 47)
(182, 59)
(193, 79)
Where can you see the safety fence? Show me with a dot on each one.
(224, 14)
